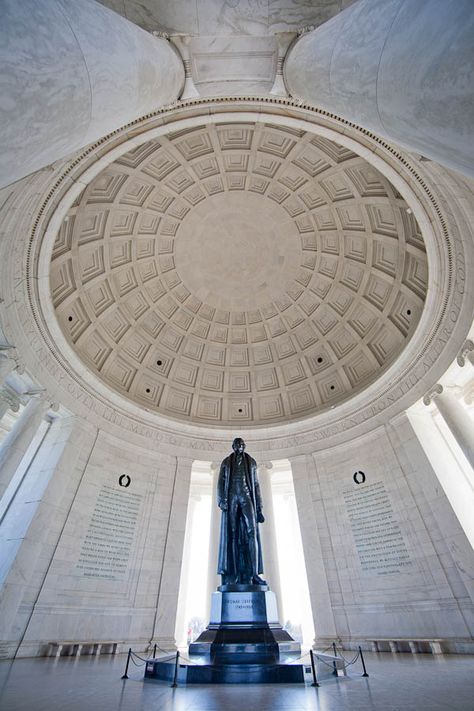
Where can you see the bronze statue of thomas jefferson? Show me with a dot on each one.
(238, 496)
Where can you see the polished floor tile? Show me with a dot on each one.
(397, 682)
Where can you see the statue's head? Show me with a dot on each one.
(238, 445)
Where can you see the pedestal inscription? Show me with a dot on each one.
(243, 608)
(377, 535)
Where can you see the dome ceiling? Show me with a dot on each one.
(239, 274)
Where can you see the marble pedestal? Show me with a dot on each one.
(244, 628)
(243, 643)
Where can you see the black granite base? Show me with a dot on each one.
(238, 644)
(202, 672)
(243, 644)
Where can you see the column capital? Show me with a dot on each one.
(44, 400)
(160, 34)
(466, 353)
(8, 362)
(434, 392)
(304, 30)
(284, 39)
(181, 42)
(265, 465)
(10, 397)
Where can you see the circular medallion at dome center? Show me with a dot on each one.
(236, 251)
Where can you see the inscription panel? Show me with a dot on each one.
(243, 607)
(377, 535)
(108, 541)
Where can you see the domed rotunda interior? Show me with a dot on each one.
(237, 219)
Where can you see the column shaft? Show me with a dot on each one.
(213, 580)
(167, 605)
(458, 421)
(268, 534)
(398, 68)
(323, 617)
(73, 72)
(184, 579)
(15, 444)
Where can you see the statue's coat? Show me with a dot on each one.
(225, 544)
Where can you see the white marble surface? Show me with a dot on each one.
(72, 72)
(48, 597)
(62, 463)
(401, 69)
(424, 590)
(232, 65)
(56, 598)
(227, 17)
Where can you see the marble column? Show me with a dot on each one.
(302, 469)
(455, 416)
(400, 68)
(16, 443)
(213, 580)
(58, 471)
(73, 72)
(268, 532)
(181, 636)
(167, 604)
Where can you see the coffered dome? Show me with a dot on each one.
(239, 274)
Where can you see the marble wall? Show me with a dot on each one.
(101, 558)
(386, 557)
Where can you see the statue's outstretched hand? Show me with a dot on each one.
(260, 516)
(223, 504)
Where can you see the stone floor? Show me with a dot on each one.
(397, 682)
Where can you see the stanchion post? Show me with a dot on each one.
(363, 662)
(154, 651)
(175, 679)
(125, 675)
(313, 668)
(335, 654)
